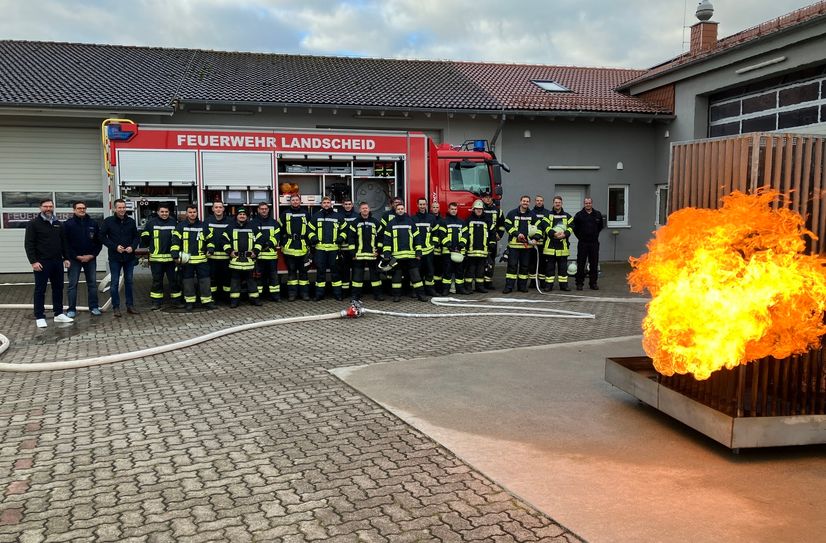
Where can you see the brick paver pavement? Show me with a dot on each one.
(249, 437)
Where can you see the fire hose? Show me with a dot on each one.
(103, 286)
(354, 310)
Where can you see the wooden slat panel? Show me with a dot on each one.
(742, 168)
(788, 163)
(774, 182)
(768, 161)
(728, 167)
(695, 169)
(797, 172)
(754, 166)
(804, 198)
(705, 164)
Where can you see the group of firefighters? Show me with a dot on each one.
(435, 254)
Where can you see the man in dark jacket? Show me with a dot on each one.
(46, 249)
(83, 241)
(120, 235)
(587, 225)
(402, 243)
(327, 233)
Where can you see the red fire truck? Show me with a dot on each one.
(150, 164)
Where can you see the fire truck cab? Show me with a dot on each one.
(179, 165)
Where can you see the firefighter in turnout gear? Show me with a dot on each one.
(295, 238)
(497, 221)
(217, 258)
(540, 214)
(520, 246)
(402, 243)
(452, 242)
(157, 237)
(366, 230)
(438, 232)
(426, 223)
(477, 231)
(267, 264)
(189, 251)
(327, 233)
(348, 249)
(557, 231)
(242, 245)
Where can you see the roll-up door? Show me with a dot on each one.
(59, 163)
(237, 168)
(157, 167)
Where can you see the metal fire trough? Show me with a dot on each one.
(766, 403)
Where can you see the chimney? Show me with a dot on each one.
(704, 33)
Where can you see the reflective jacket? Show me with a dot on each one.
(425, 223)
(367, 237)
(554, 246)
(540, 213)
(242, 238)
(437, 235)
(476, 233)
(215, 236)
(327, 230)
(401, 238)
(295, 231)
(190, 238)
(453, 239)
(349, 233)
(270, 239)
(516, 222)
(497, 219)
(157, 237)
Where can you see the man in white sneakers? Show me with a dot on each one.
(46, 249)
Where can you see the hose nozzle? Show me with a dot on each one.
(354, 310)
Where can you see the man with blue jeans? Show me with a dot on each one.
(83, 241)
(45, 245)
(120, 235)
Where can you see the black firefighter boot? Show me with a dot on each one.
(304, 290)
(522, 285)
(292, 293)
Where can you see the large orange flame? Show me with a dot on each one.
(730, 286)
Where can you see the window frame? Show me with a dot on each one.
(626, 191)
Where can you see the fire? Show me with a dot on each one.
(730, 286)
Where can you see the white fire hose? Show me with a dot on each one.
(354, 310)
(103, 286)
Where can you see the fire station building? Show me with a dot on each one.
(571, 131)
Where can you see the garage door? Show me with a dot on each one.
(59, 163)
(572, 197)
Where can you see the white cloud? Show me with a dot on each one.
(633, 33)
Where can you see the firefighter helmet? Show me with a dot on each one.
(572, 268)
(185, 257)
(533, 231)
(457, 257)
(387, 263)
(560, 228)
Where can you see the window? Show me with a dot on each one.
(550, 86)
(469, 176)
(19, 207)
(617, 205)
(662, 205)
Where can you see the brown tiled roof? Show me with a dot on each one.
(47, 74)
(785, 22)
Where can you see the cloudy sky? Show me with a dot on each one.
(620, 33)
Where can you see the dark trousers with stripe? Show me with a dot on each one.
(345, 266)
(372, 273)
(557, 268)
(518, 268)
(267, 270)
(159, 271)
(236, 277)
(326, 260)
(408, 267)
(297, 281)
(451, 271)
(219, 277)
(196, 274)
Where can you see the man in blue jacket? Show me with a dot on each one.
(83, 241)
(120, 235)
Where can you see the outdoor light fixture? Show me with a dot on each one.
(620, 166)
(526, 134)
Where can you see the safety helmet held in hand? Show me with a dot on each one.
(572, 268)
(387, 264)
(560, 228)
(533, 231)
(185, 257)
(457, 257)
